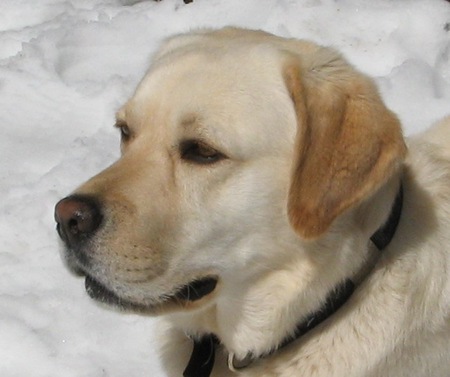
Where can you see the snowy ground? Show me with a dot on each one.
(66, 65)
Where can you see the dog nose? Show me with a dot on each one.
(77, 218)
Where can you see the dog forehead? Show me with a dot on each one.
(213, 71)
(229, 84)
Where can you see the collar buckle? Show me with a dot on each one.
(236, 365)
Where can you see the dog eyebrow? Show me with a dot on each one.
(189, 120)
(120, 118)
(120, 123)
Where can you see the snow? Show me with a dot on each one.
(67, 65)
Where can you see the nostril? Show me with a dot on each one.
(73, 226)
(77, 216)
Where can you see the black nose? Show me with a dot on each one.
(77, 217)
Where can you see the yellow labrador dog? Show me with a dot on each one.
(267, 205)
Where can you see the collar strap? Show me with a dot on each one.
(383, 236)
(201, 362)
(333, 302)
(202, 357)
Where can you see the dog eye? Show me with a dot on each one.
(199, 152)
(125, 132)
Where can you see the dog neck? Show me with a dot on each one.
(203, 354)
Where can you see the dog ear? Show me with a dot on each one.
(348, 143)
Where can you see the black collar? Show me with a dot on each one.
(203, 354)
(384, 235)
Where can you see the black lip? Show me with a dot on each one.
(197, 289)
(193, 291)
(97, 291)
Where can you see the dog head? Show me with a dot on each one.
(236, 146)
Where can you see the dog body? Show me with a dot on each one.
(254, 172)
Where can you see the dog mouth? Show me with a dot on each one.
(184, 295)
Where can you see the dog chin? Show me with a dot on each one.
(186, 297)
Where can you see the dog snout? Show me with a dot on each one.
(77, 217)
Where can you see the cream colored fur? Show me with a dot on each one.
(313, 162)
